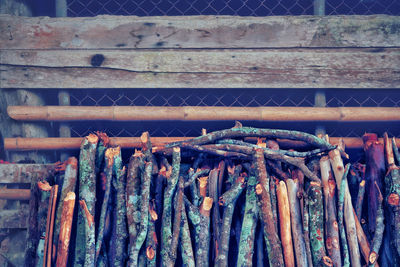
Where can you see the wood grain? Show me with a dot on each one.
(198, 32)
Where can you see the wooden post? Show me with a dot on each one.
(63, 100)
(319, 7)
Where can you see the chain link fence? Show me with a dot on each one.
(87, 8)
(232, 97)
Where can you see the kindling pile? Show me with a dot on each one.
(225, 198)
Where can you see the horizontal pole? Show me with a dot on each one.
(198, 113)
(20, 144)
(15, 194)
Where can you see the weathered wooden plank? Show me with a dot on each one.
(245, 61)
(14, 218)
(24, 173)
(43, 77)
(198, 32)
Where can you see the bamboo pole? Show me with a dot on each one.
(20, 144)
(15, 194)
(194, 113)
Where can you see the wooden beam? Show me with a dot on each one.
(256, 68)
(15, 194)
(198, 32)
(14, 218)
(198, 113)
(25, 173)
(135, 142)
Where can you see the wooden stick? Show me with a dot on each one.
(338, 170)
(22, 144)
(250, 217)
(285, 224)
(360, 199)
(297, 225)
(47, 234)
(331, 224)
(15, 194)
(195, 113)
(272, 241)
(65, 229)
(362, 240)
(53, 212)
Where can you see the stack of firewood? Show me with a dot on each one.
(223, 199)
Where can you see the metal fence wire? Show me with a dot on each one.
(231, 97)
(87, 8)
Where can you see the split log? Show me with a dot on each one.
(136, 164)
(166, 235)
(200, 219)
(186, 242)
(339, 171)
(87, 190)
(363, 240)
(297, 225)
(89, 234)
(360, 199)
(42, 214)
(316, 214)
(68, 185)
(392, 188)
(379, 228)
(144, 214)
(331, 224)
(262, 190)
(151, 238)
(213, 192)
(375, 172)
(285, 224)
(48, 242)
(228, 200)
(250, 217)
(65, 229)
(106, 176)
(119, 233)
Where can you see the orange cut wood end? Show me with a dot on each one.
(70, 196)
(176, 149)
(144, 137)
(203, 181)
(111, 153)
(231, 169)
(104, 138)
(153, 213)
(207, 203)
(203, 131)
(327, 261)
(393, 199)
(372, 257)
(73, 162)
(261, 143)
(362, 183)
(92, 138)
(44, 186)
(259, 189)
(150, 253)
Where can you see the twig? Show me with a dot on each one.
(272, 241)
(360, 199)
(343, 239)
(89, 234)
(297, 229)
(248, 131)
(380, 227)
(166, 235)
(285, 226)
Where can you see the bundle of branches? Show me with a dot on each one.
(218, 199)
